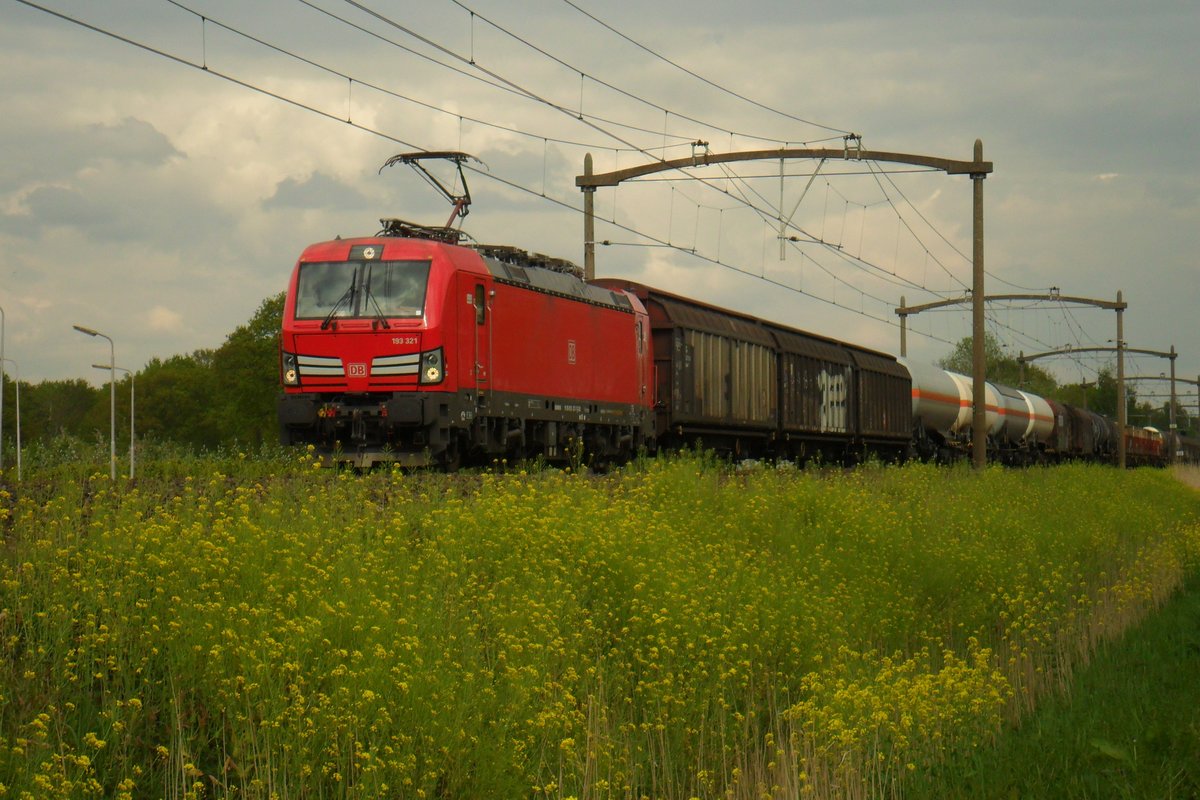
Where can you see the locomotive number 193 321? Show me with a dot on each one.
(405, 340)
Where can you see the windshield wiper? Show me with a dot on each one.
(348, 294)
(379, 317)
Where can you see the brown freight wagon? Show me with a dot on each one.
(740, 385)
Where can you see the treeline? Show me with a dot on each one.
(226, 397)
(223, 397)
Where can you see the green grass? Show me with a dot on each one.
(1128, 728)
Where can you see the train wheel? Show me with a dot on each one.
(450, 459)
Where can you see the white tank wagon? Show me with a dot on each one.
(1018, 423)
(1028, 426)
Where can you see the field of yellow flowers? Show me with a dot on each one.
(677, 629)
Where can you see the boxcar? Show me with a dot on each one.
(749, 387)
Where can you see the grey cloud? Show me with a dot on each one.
(55, 205)
(56, 154)
(318, 192)
(130, 141)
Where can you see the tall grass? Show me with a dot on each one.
(237, 627)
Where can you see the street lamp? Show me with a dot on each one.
(112, 419)
(131, 399)
(1, 389)
(17, 372)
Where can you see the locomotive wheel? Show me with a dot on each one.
(451, 458)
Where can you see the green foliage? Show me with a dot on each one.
(1001, 368)
(50, 409)
(174, 400)
(229, 626)
(247, 367)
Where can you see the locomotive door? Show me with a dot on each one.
(475, 337)
(642, 378)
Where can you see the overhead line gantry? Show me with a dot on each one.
(852, 149)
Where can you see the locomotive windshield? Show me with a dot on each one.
(371, 289)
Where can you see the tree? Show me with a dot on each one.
(1001, 369)
(203, 400)
(1104, 396)
(175, 398)
(246, 367)
(55, 408)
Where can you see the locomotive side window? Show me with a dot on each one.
(480, 304)
(347, 289)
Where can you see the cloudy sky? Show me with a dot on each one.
(158, 186)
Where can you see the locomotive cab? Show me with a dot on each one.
(363, 355)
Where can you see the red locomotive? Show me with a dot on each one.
(419, 351)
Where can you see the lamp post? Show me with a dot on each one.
(17, 372)
(112, 419)
(131, 399)
(1, 390)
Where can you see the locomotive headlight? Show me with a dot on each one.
(291, 377)
(432, 369)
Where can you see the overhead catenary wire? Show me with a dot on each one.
(475, 15)
(376, 87)
(351, 79)
(211, 70)
(520, 89)
(952, 245)
(856, 261)
(841, 253)
(512, 86)
(909, 227)
(613, 87)
(701, 78)
(683, 140)
(529, 93)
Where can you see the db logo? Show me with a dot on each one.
(356, 370)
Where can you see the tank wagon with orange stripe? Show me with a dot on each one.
(1019, 423)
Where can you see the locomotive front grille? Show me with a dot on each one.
(319, 367)
(396, 365)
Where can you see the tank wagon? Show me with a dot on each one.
(409, 347)
(1020, 425)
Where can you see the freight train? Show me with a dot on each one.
(409, 347)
